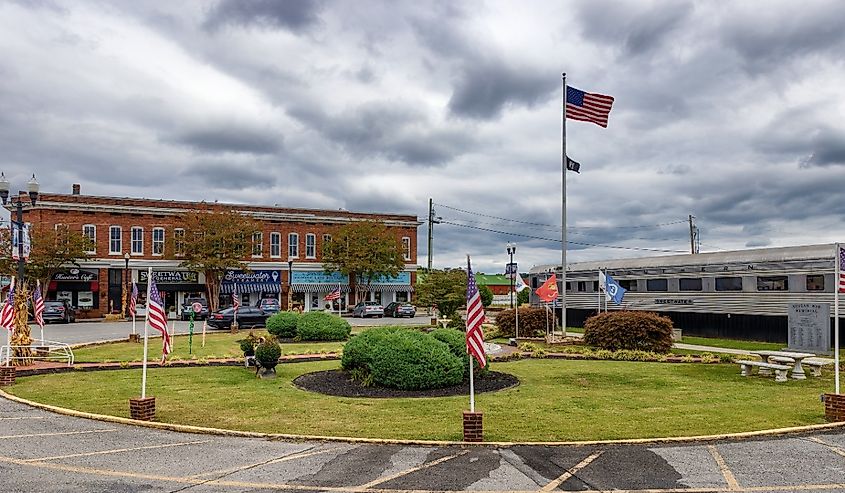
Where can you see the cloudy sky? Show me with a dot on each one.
(731, 112)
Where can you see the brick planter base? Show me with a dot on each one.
(142, 409)
(473, 429)
(834, 407)
(134, 337)
(7, 376)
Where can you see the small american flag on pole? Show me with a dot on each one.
(38, 305)
(157, 318)
(133, 300)
(236, 303)
(588, 107)
(334, 295)
(475, 317)
(7, 315)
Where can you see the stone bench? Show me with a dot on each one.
(748, 367)
(816, 364)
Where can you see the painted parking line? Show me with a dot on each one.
(833, 448)
(733, 485)
(64, 433)
(571, 471)
(399, 474)
(23, 417)
(117, 451)
(297, 455)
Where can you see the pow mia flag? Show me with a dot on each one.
(573, 165)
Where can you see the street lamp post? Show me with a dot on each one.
(32, 188)
(511, 250)
(290, 284)
(125, 284)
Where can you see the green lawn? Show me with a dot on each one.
(557, 400)
(733, 343)
(217, 345)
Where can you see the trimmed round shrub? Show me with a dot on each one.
(358, 352)
(457, 342)
(635, 330)
(409, 360)
(247, 347)
(267, 354)
(283, 324)
(322, 326)
(532, 322)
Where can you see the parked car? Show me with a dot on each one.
(187, 307)
(368, 309)
(269, 305)
(248, 316)
(59, 311)
(400, 309)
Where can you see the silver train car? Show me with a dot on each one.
(742, 294)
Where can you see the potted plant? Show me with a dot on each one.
(266, 358)
(248, 347)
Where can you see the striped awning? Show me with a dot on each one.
(250, 287)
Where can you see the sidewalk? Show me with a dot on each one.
(690, 347)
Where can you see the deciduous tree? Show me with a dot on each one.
(444, 288)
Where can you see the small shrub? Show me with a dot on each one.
(409, 360)
(456, 322)
(709, 358)
(527, 347)
(726, 358)
(283, 324)
(486, 295)
(603, 354)
(357, 353)
(322, 326)
(248, 344)
(456, 340)
(532, 322)
(538, 353)
(633, 330)
(687, 358)
(267, 354)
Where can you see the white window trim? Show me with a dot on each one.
(279, 236)
(132, 241)
(176, 252)
(93, 240)
(120, 230)
(153, 239)
(406, 253)
(313, 245)
(290, 244)
(260, 254)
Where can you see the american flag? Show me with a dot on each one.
(236, 303)
(38, 305)
(133, 300)
(475, 317)
(587, 106)
(841, 270)
(334, 295)
(157, 317)
(7, 315)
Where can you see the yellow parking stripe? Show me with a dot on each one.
(733, 485)
(232, 470)
(116, 451)
(571, 471)
(409, 471)
(833, 448)
(34, 435)
(23, 417)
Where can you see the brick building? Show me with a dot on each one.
(133, 231)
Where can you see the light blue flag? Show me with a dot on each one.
(614, 290)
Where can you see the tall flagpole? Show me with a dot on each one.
(837, 282)
(563, 209)
(146, 336)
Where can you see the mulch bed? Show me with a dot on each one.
(337, 383)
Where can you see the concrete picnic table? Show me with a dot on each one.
(797, 369)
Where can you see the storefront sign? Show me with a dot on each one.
(86, 299)
(404, 278)
(74, 275)
(672, 301)
(170, 277)
(319, 277)
(240, 276)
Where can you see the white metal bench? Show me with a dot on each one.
(41, 350)
(748, 367)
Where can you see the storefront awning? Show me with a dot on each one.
(250, 287)
(318, 287)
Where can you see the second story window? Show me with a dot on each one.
(137, 240)
(115, 240)
(293, 245)
(257, 244)
(90, 231)
(179, 242)
(406, 248)
(275, 245)
(158, 241)
(310, 245)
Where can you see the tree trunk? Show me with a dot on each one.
(212, 287)
(21, 338)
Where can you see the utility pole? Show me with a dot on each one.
(693, 235)
(432, 220)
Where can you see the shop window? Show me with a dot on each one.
(115, 240)
(293, 245)
(772, 283)
(728, 284)
(815, 282)
(275, 245)
(158, 241)
(257, 244)
(179, 242)
(137, 240)
(310, 245)
(406, 247)
(402, 296)
(690, 284)
(657, 285)
(89, 231)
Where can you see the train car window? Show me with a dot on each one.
(657, 285)
(629, 284)
(595, 286)
(772, 283)
(815, 282)
(728, 284)
(535, 282)
(689, 284)
(582, 286)
(568, 286)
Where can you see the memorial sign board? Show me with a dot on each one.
(809, 327)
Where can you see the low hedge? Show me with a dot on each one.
(283, 324)
(634, 330)
(532, 322)
(322, 326)
(358, 352)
